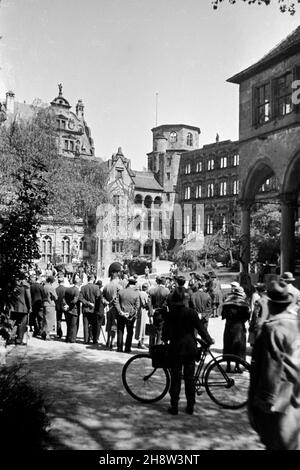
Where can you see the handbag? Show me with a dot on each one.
(150, 329)
(160, 356)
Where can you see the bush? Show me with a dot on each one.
(23, 419)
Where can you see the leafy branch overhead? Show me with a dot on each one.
(288, 6)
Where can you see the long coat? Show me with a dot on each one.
(236, 312)
(274, 393)
(179, 328)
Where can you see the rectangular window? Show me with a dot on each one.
(262, 104)
(282, 95)
(187, 192)
(198, 223)
(236, 159)
(198, 167)
(187, 169)
(223, 162)
(63, 124)
(210, 190)
(209, 225)
(71, 145)
(186, 225)
(66, 145)
(235, 186)
(210, 164)
(168, 176)
(223, 188)
(199, 191)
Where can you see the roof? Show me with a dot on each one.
(289, 46)
(168, 126)
(146, 180)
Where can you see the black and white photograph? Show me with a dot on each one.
(149, 229)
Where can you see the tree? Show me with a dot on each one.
(28, 150)
(265, 233)
(284, 5)
(77, 187)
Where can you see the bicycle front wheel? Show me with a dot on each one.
(144, 382)
(227, 381)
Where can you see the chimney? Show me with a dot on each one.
(80, 109)
(10, 101)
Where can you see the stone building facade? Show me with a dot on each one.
(208, 187)
(269, 139)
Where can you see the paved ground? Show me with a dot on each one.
(90, 410)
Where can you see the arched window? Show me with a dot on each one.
(173, 136)
(46, 249)
(66, 250)
(82, 244)
(189, 139)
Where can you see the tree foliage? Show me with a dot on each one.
(288, 6)
(27, 152)
(265, 233)
(77, 187)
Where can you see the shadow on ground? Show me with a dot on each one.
(90, 410)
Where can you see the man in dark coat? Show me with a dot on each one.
(72, 314)
(36, 292)
(201, 302)
(179, 329)
(21, 307)
(274, 392)
(60, 304)
(127, 306)
(92, 314)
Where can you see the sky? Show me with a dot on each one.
(137, 63)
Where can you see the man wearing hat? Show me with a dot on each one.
(127, 306)
(288, 278)
(158, 296)
(180, 326)
(110, 293)
(274, 393)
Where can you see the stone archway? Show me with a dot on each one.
(289, 213)
(257, 175)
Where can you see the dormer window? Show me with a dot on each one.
(173, 136)
(119, 174)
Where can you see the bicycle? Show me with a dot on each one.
(225, 386)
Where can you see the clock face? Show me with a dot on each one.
(71, 124)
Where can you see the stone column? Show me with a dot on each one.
(287, 240)
(245, 236)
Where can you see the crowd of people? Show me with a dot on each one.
(173, 309)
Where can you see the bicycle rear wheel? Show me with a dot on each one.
(227, 381)
(142, 381)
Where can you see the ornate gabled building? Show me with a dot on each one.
(131, 224)
(60, 242)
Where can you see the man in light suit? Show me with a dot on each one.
(127, 306)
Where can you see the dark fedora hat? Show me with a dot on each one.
(114, 268)
(287, 276)
(278, 293)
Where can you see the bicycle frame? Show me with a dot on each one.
(202, 368)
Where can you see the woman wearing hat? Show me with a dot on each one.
(274, 393)
(236, 312)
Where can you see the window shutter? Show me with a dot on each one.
(296, 76)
